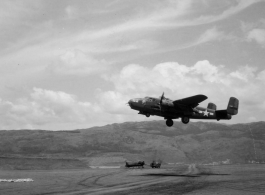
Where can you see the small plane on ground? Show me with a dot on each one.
(135, 164)
(186, 108)
(155, 164)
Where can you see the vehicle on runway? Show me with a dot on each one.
(155, 164)
(135, 164)
(186, 108)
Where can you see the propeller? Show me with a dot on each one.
(160, 103)
(162, 97)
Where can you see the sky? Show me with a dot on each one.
(75, 64)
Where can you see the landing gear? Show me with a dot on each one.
(169, 122)
(185, 119)
(147, 114)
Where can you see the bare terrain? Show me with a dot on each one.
(177, 179)
(65, 162)
(196, 142)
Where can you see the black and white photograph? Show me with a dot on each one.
(133, 97)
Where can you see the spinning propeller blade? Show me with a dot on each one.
(160, 103)
(162, 97)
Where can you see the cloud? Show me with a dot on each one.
(44, 108)
(170, 76)
(69, 39)
(112, 102)
(234, 7)
(165, 16)
(143, 20)
(57, 110)
(254, 32)
(71, 12)
(246, 73)
(47, 109)
(76, 62)
(219, 83)
(257, 35)
(210, 35)
(111, 35)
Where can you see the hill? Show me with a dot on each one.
(197, 142)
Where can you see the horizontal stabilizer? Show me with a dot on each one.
(232, 109)
(222, 114)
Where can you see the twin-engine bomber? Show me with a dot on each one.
(186, 108)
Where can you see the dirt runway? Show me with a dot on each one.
(184, 179)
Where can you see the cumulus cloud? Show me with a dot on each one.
(246, 73)
(254, 32)
(171, 76)
(219, 83)
(60, 110)
(43, 108)
(257, 35)
(94, 42)
(112, 102)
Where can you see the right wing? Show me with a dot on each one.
(192, 101)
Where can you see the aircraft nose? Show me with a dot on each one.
(134, 102)
(130, 102)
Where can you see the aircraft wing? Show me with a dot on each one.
(192, 101)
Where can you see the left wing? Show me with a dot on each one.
(192, 101)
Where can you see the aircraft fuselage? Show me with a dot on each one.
(169, 109)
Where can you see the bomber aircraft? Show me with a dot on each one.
(186, 108)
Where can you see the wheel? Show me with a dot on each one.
(185, 119)
(169, 122)
(147, 115)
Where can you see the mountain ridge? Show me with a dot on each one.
(196, 142)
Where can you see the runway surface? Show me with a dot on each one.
(181, 179)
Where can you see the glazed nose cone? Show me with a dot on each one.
(130, 102)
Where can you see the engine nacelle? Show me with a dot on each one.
(167, 103)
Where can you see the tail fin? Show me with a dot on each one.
(232, 107)
(211, 106)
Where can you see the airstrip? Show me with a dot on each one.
(170, 179)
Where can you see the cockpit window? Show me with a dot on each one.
(135, 100)
(149, 99)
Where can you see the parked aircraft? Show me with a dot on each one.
(186, 108)
(135, 164)
(155, 164)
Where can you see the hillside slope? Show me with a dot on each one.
(197, 142)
